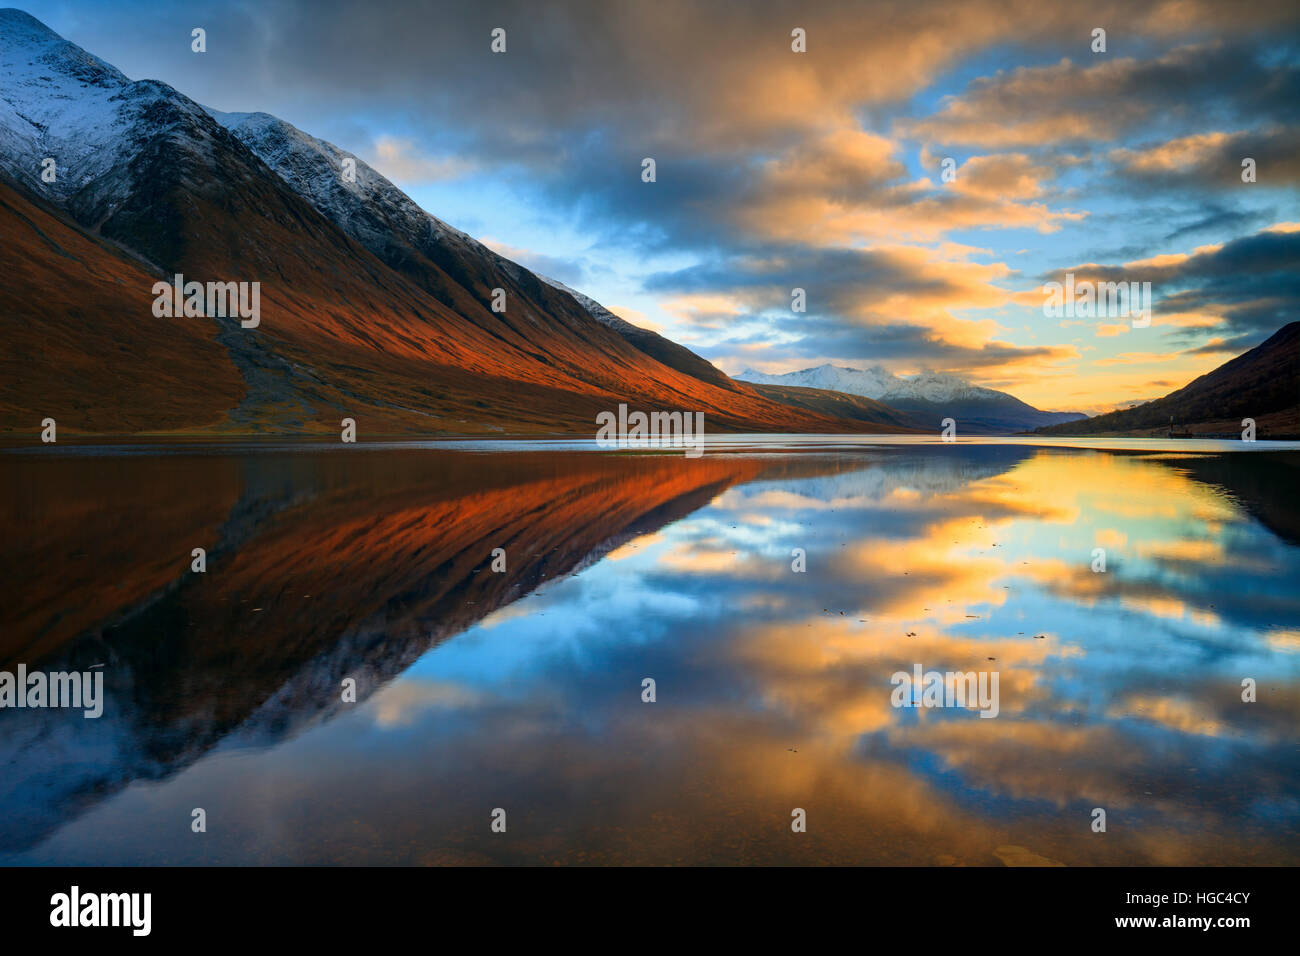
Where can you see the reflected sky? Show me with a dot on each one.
(522, 690)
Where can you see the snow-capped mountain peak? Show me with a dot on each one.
(56, 102)
(939, 387)
(32, 48)
(872, 382)
(63, 106)
(365, 205)
(925, 395)
(877, 383)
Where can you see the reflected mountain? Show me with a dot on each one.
(320, 567)
(1264, 489)
(521, 688)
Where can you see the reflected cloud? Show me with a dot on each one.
(1119, 689)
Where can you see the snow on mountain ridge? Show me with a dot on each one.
(312, 168)
(598, 311)
(940, 387)
(879, 384)
(58, 102)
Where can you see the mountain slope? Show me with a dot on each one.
(444, 260)
(359, 572)
(925, 399)
(652, 343)
(370, 307)
(881, 417)
(1263, 384)
(146, 373)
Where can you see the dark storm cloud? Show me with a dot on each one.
(1213, 161)
(1251, 284)
(1091, 99)
(1215, 218)
(827, 274)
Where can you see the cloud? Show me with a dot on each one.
(569, 271)
(1215, 159)
(1248, 287)
(850, 186)
(1100, 99)
(1003, 176)
(401, 160)
(818, 170)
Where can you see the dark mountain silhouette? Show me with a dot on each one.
(1262, 384)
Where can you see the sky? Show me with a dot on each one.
(920, 169)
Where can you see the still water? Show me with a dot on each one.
(522, 689)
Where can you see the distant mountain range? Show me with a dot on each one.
(925, 399)
(1262, 384)
(875, 415)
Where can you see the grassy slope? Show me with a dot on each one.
(858, 408)
(342, 335)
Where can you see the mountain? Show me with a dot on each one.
(871, 383)
(359, 573)
(370, 307)
(1263, 384)
(880, 417)
(925, 399)
(79, 341)
(652, 343)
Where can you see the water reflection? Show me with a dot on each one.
(522, 689)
